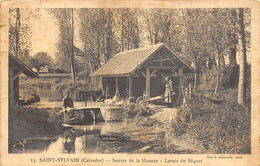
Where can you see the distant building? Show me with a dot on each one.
(16, 67)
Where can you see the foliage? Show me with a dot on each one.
(20, 32)
(40, 60)
(104, 32)
(139, 115)
(218, 128)
(64, 19)
(27, 122)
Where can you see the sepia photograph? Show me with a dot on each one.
(129, 80)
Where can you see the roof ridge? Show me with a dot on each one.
(141, 48)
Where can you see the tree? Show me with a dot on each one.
(242, 60)
(127, 23)
(20, 33)
(195, 38)
(159, 23)
(40, 60)
(219, 32)
(93, 36)
(65, 46)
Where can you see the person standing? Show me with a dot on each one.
(168, 90)
(67, 101)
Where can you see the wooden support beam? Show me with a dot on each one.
(184, 95)
(107, 91)
(11, 87)
(103, 85)
(160, 61)
(176, 73)
(153, 72)
(17, 75)
(190, 91)
(181, 82)
(170, 57)
(117, 86)
(142, 73)
(130, 88)
(147, 83)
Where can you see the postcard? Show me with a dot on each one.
(130, 82)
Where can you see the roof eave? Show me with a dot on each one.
(111, 75)
(26, 70)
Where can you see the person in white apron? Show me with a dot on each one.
(168, 89)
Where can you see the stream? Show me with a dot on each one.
(104, 137)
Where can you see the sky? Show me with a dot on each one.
(44, 35)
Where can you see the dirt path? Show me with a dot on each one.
(166, 115)
(174, 145)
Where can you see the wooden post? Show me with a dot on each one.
(103, 85)
(160, 61)
(16, 88)
(148, 82)
(181, 82)
(190, 91)
(107, 91)
(130, 88)
(11, 86)
(117, 86)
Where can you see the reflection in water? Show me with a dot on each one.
(99, 138)
(105, 137)
(69, 137)
(49, 94)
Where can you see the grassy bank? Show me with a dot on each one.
(208, 123)
(140, 115)
(31, 123)
(214, 125)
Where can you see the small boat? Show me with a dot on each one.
(73, 116)
(112, 113)
(84, 115)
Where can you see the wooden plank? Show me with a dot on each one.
(147, 83)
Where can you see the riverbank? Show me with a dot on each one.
(208, 123)
(28, 123)
(215, 125)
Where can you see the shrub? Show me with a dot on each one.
(219, 128)
(138, 115)
(28, 123)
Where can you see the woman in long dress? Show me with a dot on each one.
(168, 89)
